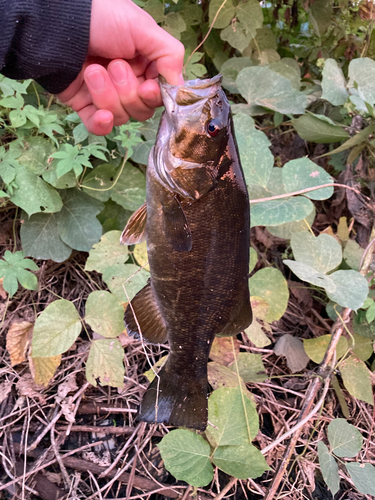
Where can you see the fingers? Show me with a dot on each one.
(97, 121)
(127, 86)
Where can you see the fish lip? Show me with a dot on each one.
(193, 84)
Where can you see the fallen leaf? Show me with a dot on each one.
(301, 293)
(257, 331)
(18, 339)
(5, 388)
(222, 350)
(292, 348)
(26, 386)
(3, 293)
(43, 369)
(69, 385)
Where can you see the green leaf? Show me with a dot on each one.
(40, 238)
(253, 259)
(333, 83)
(276, 212)
(363, 477)
(100, 179)
(35, 154)
(225, 16)
(77, 223)
(250, 367)
(142, 151)
(174, 24)
(320, 13)
(323, 253)
(357, 379)
(316, 348)
(105, 363)
(262, 86)
(351, 289)
(352, 254)
(270, 285)
(108, 252)
(221, 376)
(33, 194)
(359, 138)
(287, 68)
(80, 133)
(71, 158)
(156, 9)
(233, 416)
(303, 173)
(242, 461)
(13, 270)
(329, 468)
(56, 329)
(187, 457)
(256, 331)
(113, 217)
(362, 75)
(125, 280)
(130, 190)
(364, 329)
(311, 275)
(286, 230)
(230, 70)
(345, 439)
(314, 128)
(104, 314)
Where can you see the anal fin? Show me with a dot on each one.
(241, 321)
(175, 226)
(147, 316)
(135, 229)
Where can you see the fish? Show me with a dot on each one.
(196, 222)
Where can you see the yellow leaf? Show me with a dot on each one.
(222, 351)
(18, 339)
(140, 254)
(43, 369)
(343, 230)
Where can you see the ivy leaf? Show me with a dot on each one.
(13, 269)
(233, 416)
(319, 129)
(225, 16)
(100, 180)
(8, 164)
(261, 86)
(276, 212)
(128, 136)
(125, 277)
(186, 456)
(316, 348)
(322, 253)
(270, 285)
(329, 468)
(108, 252)
(237, 35)
(192, 67)
(363, 477)
(105, 363)
(345, 439)
(333, 83)
(357, 379)
(130, 190)
(351, 289)
(56, 329)
(76, 222)
(141, 151)
(104, 314)
(303, 173)
(33, 194)
(242, 461)
(80, 133)
(41, 239)
(50, 124)
(230, 70)
(35, 154)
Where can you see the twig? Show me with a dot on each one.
(59, 459)
(225, 490)
(302, 191)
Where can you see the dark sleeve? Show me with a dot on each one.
(46, 40)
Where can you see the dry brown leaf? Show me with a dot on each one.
(26, 386)
(43, 369)
(69, 385)
(5, 388)
(18, 339)
(54, 477)
(301, 293)
(125, 339)
(292, 348)
(222, 350)
(3, 293)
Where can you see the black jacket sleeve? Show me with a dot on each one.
(46, 40)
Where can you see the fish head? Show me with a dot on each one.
(196, 123)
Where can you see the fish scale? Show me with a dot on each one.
(198, 237)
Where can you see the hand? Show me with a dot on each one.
(127, 50)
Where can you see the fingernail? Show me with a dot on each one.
(119, 72)
(96, 80)
(150, 96)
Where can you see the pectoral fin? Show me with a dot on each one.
(147, 316)
(193, 181)
(135, 229)
(175, 226)
(242, 320)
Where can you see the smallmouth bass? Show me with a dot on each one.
(196, 222)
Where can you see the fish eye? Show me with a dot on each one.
(212, 129)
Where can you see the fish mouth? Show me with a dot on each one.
(191, 92)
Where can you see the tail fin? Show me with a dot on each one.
(175, 400)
